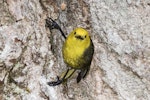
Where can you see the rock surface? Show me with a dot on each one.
(30, 54)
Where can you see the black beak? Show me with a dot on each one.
(79, 37)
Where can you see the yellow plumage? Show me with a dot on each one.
(77, 52)
(74, 48)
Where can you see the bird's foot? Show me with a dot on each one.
(54, 83)
(51, 24)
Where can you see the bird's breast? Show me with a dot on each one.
(72, 55)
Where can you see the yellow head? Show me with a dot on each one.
(79, 37)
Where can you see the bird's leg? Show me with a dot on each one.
(63, 77)
(51, 24)
(54, 83)
(69, 74)
(59, 81)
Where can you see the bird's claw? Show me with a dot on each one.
(51, 24)
(54, 83)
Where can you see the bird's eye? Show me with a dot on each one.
(85, 36)
(74, 33)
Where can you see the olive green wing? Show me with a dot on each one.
(87, 58)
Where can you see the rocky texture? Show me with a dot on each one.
(30, 55)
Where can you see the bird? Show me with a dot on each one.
(77, 51)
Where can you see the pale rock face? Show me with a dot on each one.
(30, 55)
(125, 31)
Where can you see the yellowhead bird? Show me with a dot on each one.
(77, 52)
